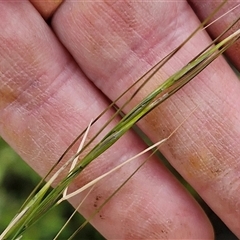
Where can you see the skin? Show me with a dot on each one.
(55, 79)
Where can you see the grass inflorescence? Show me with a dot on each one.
(40, 202)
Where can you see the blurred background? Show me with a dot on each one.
(17, 180)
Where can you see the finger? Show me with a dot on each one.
(46, 8)
(46, 101)
(133, 38)
(203, 10)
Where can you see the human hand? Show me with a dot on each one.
(47, 98)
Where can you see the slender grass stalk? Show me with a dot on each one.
(36, 206)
